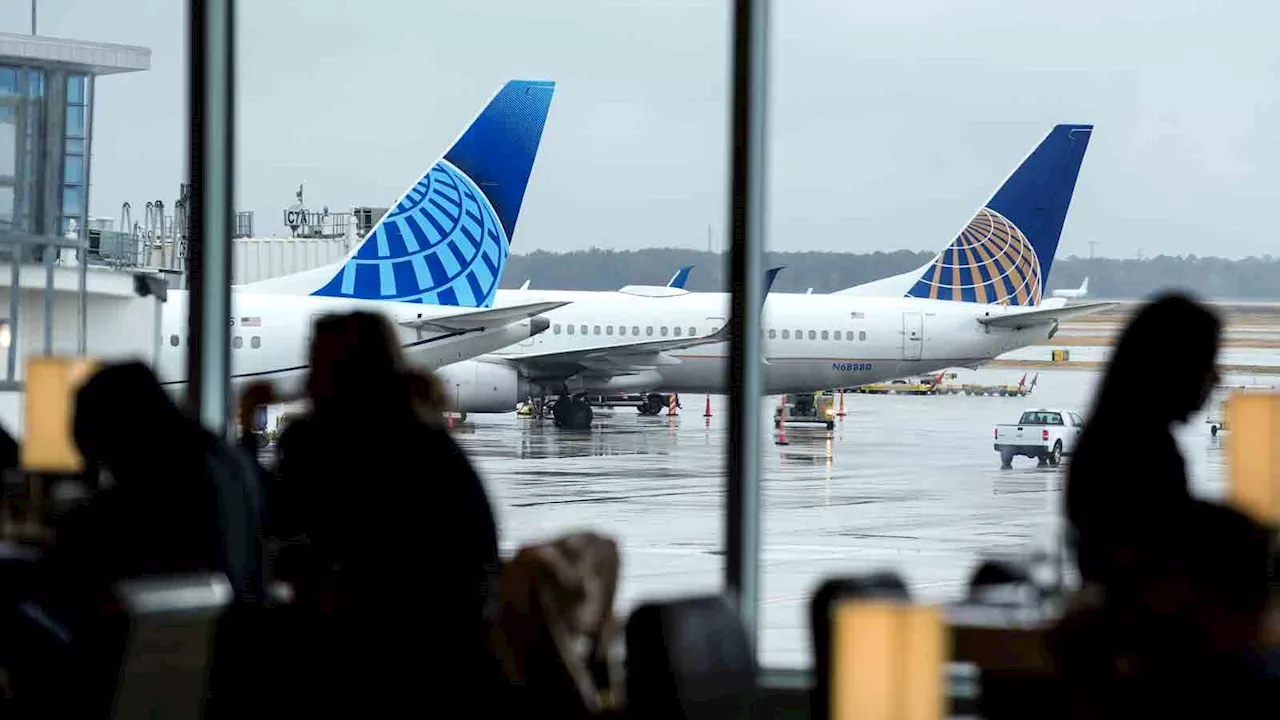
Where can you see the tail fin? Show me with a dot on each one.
(446, 240)
(1084, 287)
(769, 276)
(680, 278)
(1006, 251)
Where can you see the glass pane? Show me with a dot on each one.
(74, 172)
(71, 200)
(75, 89)
(75, 122)
(8, 81)
(35, 83)
(8, 142)
(75, 146)
(6, 206)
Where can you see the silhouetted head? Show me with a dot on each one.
(121, 410)
(427, 391)
(355, 361)
(1163, 367)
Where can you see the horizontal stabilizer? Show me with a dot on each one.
(481, 319)
(1045, 316)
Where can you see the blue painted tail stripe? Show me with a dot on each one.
(1005, 253)
(447, 240)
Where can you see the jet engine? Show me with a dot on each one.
(475, 386)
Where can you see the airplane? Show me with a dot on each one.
(979, 298)
(1074, 294)
(431, 264)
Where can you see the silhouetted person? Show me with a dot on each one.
(1127, 490)
(1183, 582)
(402, 554)
(8, 451)
(177, 500)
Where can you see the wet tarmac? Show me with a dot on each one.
(907, 483)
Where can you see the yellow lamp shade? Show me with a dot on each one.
(1253, 454)
(52, 383)
(887, 661)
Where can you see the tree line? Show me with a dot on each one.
(1252, 278)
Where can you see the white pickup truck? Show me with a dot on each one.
(1046, 435)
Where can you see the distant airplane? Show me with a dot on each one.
(1075, 294)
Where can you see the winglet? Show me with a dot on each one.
(769, 277)
(680, 278)
(525, 285)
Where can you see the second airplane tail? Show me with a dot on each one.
(1005, 252)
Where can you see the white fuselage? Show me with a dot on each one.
(271, 336)
(811, 342)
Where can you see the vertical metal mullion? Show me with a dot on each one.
(91, 102)
(746, 222)
(49, 252)
(211, 173)
(15, 292)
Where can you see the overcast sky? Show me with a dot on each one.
(890, 122)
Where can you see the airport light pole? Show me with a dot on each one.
(746, 222)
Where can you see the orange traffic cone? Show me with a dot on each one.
(708, 412)
(841, 413)
(782, 424)
(671, 405)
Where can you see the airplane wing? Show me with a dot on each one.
(1043, 316)
(481, 318)
(621, 357)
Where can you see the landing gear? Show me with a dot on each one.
(653, 404)
(572, 413)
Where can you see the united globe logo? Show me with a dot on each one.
(442, 244)
(991, 261)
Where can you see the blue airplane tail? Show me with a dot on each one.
(680, 278)
(1004, 254)
(447, 238)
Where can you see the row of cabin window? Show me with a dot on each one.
(237, 342)
(821, 334)
(677, 331)
(622, 330)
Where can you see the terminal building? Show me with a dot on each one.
(77, 284)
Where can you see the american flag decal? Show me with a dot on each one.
(250, 322)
